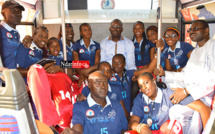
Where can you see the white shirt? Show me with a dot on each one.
(124, 46)
(91, 102)
(198, 76)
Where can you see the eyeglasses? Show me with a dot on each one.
(170, 35)
(194, 29)
(117, 27)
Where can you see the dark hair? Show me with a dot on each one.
(116, 20)
(204, 23)
(101, 63)
(121, 56)
(152, 28)
(146, 74)
(143, 44)
(60, 32)
(83, 24)
(40, 27)
(51, 40)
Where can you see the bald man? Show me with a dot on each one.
(98, 114)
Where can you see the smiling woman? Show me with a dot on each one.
(151, 106)
(178, 53)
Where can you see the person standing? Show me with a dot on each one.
(118, 44)
(10, 38)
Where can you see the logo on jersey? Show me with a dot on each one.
(93, 48)
(113, 96)
(81, 51)
(90, 113)
(169, 56)
(113, 78)
(31, 52)
(9, 35)
(146, 109)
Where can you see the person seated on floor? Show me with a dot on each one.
(98, 113)
(151, 107)
(113, 92)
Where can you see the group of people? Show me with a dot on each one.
(121, 93)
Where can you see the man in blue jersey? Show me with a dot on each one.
(10, 38)
(98, 114)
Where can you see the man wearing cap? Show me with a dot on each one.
(10, 38)
(98, 113)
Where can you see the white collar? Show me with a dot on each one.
(6, 26)
(91, 102)
(158, 98)
(109, 88)
(33, 45)
(140, 41)
(176, 46)
(82, 42)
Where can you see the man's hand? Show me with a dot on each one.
(178, 95)
(81, 97)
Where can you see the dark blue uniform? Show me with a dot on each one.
(144, 59)
(178, 58)
(84, 53)
(57, 59)
(158, 110)
(124, 84)
(98, 120)
(10, 41)
(69, 50)
(27, 57)
(113, 93)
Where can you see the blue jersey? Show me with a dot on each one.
(84, 53)
(57, 58)
(157, 110)
(178, 58)
(144, 59)
(98, 120)
(27, 57)
(124, 84)
(10, 41)
(68, 49)
(113, 93)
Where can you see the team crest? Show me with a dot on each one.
(169, 56)
(90, 113)
(81, 51)
(107, 4)
(31, 52)
(113, 78)
(146, 109)
(9, 35)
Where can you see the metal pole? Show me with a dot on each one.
(63, 31)
(159, 19)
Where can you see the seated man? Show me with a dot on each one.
(98, 114)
